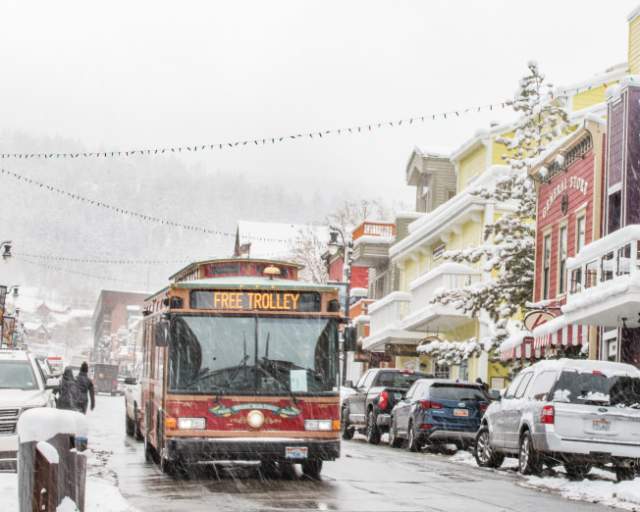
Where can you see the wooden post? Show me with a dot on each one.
(26, 466)
(45, 486)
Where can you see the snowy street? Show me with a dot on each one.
(365, 478)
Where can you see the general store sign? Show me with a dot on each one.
(573, 182)
(232, 300)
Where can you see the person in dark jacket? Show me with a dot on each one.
(68, 392)
(86, 388)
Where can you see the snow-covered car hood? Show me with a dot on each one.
(21, 397)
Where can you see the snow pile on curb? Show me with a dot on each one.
(606, 492)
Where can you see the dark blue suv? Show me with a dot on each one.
(438, 412)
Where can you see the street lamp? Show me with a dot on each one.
(337, 243)
(6, 249)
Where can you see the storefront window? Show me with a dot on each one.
(580, 233)
(562, 260)
(546, 269)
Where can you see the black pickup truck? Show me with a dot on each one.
(368, 409)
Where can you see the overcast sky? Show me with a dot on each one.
(124, 74)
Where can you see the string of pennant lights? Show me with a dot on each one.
(130, 213)
(349, 130)
(81, 273)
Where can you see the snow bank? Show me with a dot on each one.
(43, 423)
(49, 452)
(606, 492)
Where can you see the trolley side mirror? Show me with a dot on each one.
(162, 333)
(350, 336)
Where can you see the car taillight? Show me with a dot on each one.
(383, 400)
(428, 404)
(548, 415)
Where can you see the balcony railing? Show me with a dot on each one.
(615, 255)
(381, 229)
(423, 315)
(389, 311)
(605, 281)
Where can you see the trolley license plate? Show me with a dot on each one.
(296, 452)
(461, 412)
(601, 425)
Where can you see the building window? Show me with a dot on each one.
(441, 371)
(562, 260)
(546, 266)
(464, 370)
(580, 233)
(615, 211)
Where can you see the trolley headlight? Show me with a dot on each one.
(322, 425)
(191, 423)
(255, 418)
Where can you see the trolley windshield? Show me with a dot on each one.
(252, 355)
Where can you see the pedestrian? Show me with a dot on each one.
(68, 392)
(484, 385)
(86, 388)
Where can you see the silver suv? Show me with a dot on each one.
(574, 412)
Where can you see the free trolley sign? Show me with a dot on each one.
(256, 300)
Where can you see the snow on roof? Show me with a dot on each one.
(586, 364)
(49, 452)
(275, 239)
(514, 340)
(604, 245)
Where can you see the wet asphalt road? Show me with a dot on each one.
(366, 478)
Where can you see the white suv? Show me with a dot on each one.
(23, 386)
(577, 413)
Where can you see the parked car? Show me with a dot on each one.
(105, 378)
(578, 413)
(133, 412)
(23, 386)
(437, 412)
(367, 409)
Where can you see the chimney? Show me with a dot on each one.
(633, 55)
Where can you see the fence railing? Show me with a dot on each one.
(382, 229)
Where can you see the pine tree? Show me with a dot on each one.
(509, 249)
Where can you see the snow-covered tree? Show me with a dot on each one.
(508, 251)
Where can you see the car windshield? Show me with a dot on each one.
(596, 388)
(218, 354)
(460, 393)
(397, 379)
(17, 375)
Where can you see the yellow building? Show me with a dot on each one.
(441, 339)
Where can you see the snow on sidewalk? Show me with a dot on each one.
(600, 488)
(101, 496)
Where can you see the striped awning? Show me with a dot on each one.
(556, 332)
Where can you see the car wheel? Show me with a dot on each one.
(394, 440)
(373, 434)
(486, 456)
(149, 452)
(137, 431)
(623, 474)
(347, 431)
(413, 445)
(528, 460)
(312, 468)
(577, 471)
(174, 468)
(129, 425)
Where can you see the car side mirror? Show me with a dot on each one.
(132, 381)
(162, 333)
(348, 384)
(495, 395)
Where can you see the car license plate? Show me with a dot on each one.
(601, 425)
(296, 452)
(461, 412)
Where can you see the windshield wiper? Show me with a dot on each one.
(265, 360)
